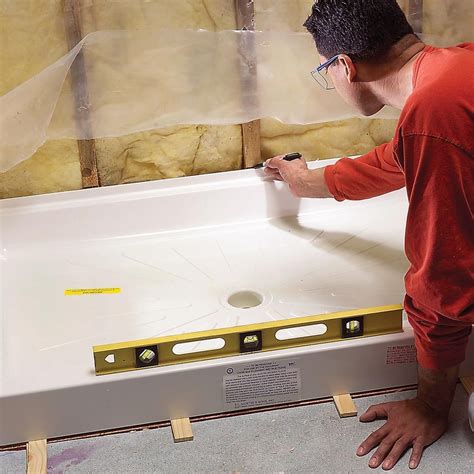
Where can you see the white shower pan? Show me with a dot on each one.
(179, 251)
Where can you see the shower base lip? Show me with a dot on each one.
(195, 390)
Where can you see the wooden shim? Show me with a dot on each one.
(251, 146)
(345, 405)
(87, 151)
(468, 383)
(182, 430)
(36, 457)
(251, 143)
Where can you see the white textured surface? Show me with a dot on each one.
(342, 257)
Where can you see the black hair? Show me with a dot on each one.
(362, 29)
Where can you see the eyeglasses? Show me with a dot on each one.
(321, 76)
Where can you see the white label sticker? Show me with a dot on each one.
(261, 384)
(401, 354)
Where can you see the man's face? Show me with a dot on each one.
(354, 92)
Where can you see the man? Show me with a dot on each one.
(370, 54)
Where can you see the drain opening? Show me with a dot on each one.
(245, 299)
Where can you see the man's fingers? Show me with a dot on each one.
(396, 453)
(374, 412)
(269, 170)
(274, 162)
(273, 173)
(275, 177)
(384, 448)
(373, 440)
(416, 454)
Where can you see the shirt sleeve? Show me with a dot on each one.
(441, 342)
(439, 244)
(370, 175)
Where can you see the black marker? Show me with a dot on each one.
(288, 157)
(292, 156)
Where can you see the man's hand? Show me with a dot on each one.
(301, 181)
(410, 424)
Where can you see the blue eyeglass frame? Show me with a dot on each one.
(317, 72)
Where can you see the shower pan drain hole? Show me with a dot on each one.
(245, 299)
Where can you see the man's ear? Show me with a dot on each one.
(350, 70)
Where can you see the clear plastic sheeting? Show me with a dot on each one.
(147, 65)
(135, 81)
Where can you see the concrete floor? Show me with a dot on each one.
(303, 439)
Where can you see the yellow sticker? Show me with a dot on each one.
(92, 291)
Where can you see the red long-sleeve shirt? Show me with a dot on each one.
(432, 154)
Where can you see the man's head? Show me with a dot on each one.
(362, 33)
